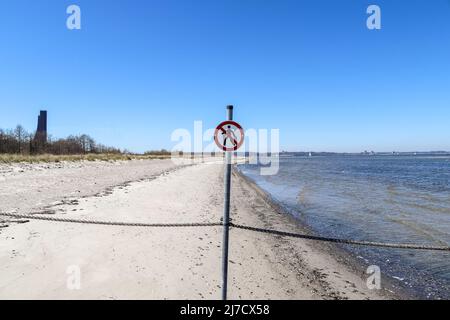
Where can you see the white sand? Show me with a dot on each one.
(32, 187)
(177, 263)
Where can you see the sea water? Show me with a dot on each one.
(389, 198)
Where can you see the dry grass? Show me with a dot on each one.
(16, 158)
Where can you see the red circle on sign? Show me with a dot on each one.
(222, 130)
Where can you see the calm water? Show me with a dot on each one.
(379, 198)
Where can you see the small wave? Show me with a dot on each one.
(430, 208)
(302, 196)
(419, 228)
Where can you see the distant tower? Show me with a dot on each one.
(41, 132)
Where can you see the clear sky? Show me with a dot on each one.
(139, 69)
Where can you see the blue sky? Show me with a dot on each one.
(137, 70)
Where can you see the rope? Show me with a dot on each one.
(237, 226)
(342, 241)
(110, 223)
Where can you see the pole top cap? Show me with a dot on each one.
(230, 107)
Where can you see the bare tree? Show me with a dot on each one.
(21, 142)
(20, 134)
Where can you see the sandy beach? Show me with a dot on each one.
(115, 262)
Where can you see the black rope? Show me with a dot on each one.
(341, 241)
(237, 226)
(109, 223)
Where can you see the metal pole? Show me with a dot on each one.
(226, 214)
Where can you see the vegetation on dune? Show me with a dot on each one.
(18, 145)
(17, 158)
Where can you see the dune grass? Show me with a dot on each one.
(17, 158)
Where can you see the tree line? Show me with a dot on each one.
(19, 141)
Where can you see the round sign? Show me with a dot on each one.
(229, 136)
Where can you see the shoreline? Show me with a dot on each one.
(338, 252)
(139, 263)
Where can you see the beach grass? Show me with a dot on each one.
(50, 158)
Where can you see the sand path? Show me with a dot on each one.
(41, 260)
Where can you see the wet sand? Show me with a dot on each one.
(38, 258)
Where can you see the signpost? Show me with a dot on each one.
(232, 133)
